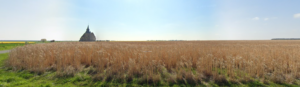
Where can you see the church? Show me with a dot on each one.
(88, 35)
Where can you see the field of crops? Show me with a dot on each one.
(194, 62)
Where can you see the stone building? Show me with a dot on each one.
(88, 36)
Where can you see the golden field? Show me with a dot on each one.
(184, 62)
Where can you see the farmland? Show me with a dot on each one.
(15, 42)
(194, 63)
(8, 46)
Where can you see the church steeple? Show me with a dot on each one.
(88, 30)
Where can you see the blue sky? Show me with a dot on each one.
(150, 19)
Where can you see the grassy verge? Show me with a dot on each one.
(7, 46)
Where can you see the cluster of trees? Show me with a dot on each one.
(44, 40)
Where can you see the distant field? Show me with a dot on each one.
(7, 46)
(189, 63)
(15, 42)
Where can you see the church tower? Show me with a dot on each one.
(88, 35)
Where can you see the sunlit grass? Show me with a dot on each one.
(8, 46)
(224, 63)
(22, 78)
(15, 42)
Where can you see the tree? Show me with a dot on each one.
(43, 40)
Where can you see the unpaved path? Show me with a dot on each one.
(4, 51)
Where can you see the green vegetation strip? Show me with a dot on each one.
(8, 46)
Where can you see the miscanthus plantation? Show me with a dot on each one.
(186, 62)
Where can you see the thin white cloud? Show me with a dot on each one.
(266, 19)
(297, 15)
(255, 18)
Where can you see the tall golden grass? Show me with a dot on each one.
(193, 62)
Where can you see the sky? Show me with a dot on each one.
(150, 19)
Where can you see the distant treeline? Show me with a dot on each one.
(285, 39)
